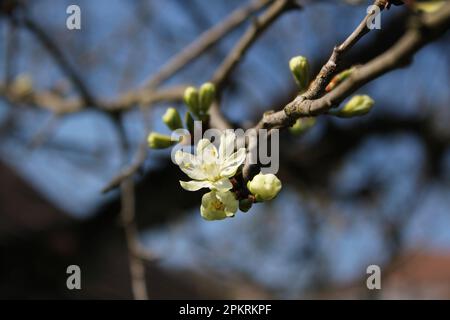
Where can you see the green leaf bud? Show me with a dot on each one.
(172, 119)
(357, 106)
(302, 125)
(300, 70)
(207, 96)
(160, 141)
(192, 100)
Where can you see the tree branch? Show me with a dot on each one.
(205, 41)
(329, 69)
(258, 26)
(60, 59)
(147, 95)
(232, 59)
(422, 30)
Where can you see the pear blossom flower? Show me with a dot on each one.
(209, 167)
(218, 205)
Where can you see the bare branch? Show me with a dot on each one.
(128, 217)
(130, 170)
(205, 41)
(58, 104)
(60, 58)
(137, 268)
(258, 26)
(422, 31)
(329, 69)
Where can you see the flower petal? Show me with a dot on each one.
(189, 164)
(209, 154)
(226, 147)
(202, 144)
(195, 185)
(232, 163)
(230, 202)
(211, 208)
(222, 185)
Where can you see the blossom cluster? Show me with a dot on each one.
(219, 171)
(219, 168)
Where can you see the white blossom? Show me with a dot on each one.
(209, 167)
(218, 205)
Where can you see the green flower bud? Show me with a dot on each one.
(357, 106)
(302, 125)
(172, 119)
(245, 205)
(300, 69)
(189, 123)
(160, 141)
(339, 78)
(207, 96)
(264, 186)
(192, 100)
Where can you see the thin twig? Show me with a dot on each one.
(205, 41)
(329, 69)
(60, 58)
(130, 170)
(258, 26)
(128, 217)
(139, 158)
(58, 104)
(137, 268)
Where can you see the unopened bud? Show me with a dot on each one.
(172, 119)
(264, 186)
(159, 141)
(245, 205)
(357, 106)
(338, 79)
(300, 69)
(207, 96)
(192, 100)
(302, 125)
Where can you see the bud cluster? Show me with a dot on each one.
(198, 102)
